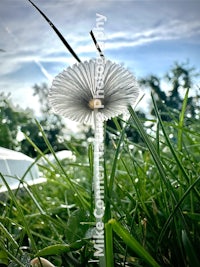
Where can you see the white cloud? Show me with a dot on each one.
(171, 30)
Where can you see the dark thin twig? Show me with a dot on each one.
(97, 45)
(58, 33)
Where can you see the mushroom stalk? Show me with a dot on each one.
(98, 183)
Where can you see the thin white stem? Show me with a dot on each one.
(98, 181)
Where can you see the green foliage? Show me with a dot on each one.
(151, 194)
(12, 118)
(15, 121)
(178, 79)
(132, 243)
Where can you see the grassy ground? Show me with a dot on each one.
(152, 201)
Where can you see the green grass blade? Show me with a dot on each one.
(109, 245)
(82, 201)
(20, 212)
(11, 256)
(154, 154)
(189, 250)
(178, 161)
(132, 243)
(181, 121)
(175, 210)
(4, 232)
(114, 164)
(168, 142)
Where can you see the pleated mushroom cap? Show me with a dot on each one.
(75, 92)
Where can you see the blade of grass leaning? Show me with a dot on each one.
(189, 250)
(20, 213)
(91, 165)
(97, 45)
(181, 121)
(34, 200)
(177, 160)
(11, 256)
(158, 138)
(166, 225)
(28, 170)
(158, 163)
(132, 243)
(154, 154)
(57, 32)
(4, 232)
(168, 141)
(158, 151)
(180, 131)
(114, 164)
(50, 164)
(43, 213)
(109, 188)
(129, 173)
(180, 165)
(82, 201)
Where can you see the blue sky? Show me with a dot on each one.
(146, 36)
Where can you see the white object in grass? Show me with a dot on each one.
(14, 166)
(41, 262)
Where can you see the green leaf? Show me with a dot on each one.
(3, 257)
(60, 249)
(109, 245)
(132, 243)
